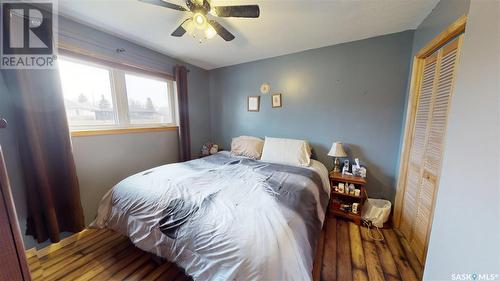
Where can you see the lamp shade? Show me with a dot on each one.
(337, 150)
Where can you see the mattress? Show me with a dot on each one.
(223, 217)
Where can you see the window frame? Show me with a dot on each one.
(172, 100)
(119, 98)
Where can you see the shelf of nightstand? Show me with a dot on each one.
(348, 215)
(348, 195)
(347, 178)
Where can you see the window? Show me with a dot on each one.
(100, 97)
(87, 94)
(147, 101)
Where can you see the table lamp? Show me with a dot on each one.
(337, 151)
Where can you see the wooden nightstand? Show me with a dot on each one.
(337, 198)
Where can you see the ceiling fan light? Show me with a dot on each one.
(200, 20)
(200, 35)
(210, 32)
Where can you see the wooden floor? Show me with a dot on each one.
(99, 255)
(345, 252)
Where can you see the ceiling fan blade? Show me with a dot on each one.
(165, 4)
(243, 11)
(180, 31)
(221, 30)
(198, 6)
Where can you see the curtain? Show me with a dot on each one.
(182, 97)
(52, 191)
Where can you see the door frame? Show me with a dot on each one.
(452, 31)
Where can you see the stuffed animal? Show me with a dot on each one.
(209, 148)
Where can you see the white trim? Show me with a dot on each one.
(121, 98)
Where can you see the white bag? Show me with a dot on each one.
(377, 211)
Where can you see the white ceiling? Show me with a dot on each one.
(284, 26)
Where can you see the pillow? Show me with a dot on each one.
(247, 146)
(286, 151)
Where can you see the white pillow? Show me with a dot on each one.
(247, 146)
(286, 151)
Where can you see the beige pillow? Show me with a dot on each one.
(286, 151)
(247, 146)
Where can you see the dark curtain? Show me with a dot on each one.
(52, 191)
(182, 97)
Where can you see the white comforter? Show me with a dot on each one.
(223, 217)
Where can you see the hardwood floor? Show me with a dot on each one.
(99, 255)
(345, 252)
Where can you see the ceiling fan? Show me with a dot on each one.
(199, 26)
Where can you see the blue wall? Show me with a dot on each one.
(352, 92)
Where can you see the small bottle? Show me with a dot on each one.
(355, 207)
(341, 188)
(351, 189)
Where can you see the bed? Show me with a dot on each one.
(224, 217)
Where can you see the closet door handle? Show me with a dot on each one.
(3, 123)
(429, 176)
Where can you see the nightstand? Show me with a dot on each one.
(337, 198)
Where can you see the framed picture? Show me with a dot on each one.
(276, 99)
(253, 103)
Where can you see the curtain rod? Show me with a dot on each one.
(67, 35)
(112, 49)
(79, 52)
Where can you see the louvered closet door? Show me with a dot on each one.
(426, 151)
(419, 139)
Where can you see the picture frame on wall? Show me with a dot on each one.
(276, 100)
(253, 103)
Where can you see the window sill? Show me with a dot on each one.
(121, 131)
